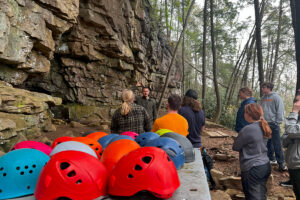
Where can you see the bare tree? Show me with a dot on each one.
(213, 49)
(258, 20)
(174, 54)
(182, 51)
(273, 74)
(204, 53)
(295, 8)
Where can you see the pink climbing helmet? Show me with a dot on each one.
(33, 145)
(130, 134)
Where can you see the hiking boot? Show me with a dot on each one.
(273, 162)
(282, 168)
(286, 183)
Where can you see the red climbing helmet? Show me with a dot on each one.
(96, 146)
(72, 175)
(60, 140)
(146, 168)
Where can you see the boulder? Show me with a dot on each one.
(231, 182)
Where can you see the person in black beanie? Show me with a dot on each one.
(191, 110)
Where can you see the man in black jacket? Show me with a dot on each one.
(148, 103)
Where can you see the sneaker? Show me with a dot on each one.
(282, 168)
(286, 183)
(273, 162)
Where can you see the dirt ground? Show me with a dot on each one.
(213, 145)
(231, 167)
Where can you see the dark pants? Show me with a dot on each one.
(295, 178)
(254, 182)
(274, 145)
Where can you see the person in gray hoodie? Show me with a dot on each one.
(251, 143)
(273, 108)
(291, 141)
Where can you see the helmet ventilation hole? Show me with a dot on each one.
(97, 149)
(34, 166)
(30, 171)
(71, 173)
(146, 159)
(63, 198)
(79, 181)
(17, 168)
(168, 158)
(22, 173)
(26, 167)
(1, 168)
(138, 167)
(91, 144)
(159, 146)
(4, 174)
(64, 165)
(130, 176)
(28, 187)
(0, 190)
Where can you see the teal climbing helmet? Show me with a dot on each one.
(19, 171)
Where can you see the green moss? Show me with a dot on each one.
(78, 111)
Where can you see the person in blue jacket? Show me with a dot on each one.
(245, 94)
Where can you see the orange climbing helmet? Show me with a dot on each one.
(115, 151)
(96, 146)
(146, 168)
(96, 135)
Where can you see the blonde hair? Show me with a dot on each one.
(255, 111)
(247, 91)
(127, 97)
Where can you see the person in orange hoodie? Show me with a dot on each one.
(172, 120)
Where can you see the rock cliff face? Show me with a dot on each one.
(85, 52)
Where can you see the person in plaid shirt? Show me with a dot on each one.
(130, 116)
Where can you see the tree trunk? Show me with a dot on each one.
(295, 9)
(204, 53)
(174, 54)
(213, 49)
(236, 68)
(249, 55)
(167, 19)
(171, 17)
(273, 74)
(269, 67)
(182, 51)
(253, 72)
(258, 42)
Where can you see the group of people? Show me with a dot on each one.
(185, 116)
(258, 127)
(257, 124)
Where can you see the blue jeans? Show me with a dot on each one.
(274, 145)
(254, 182)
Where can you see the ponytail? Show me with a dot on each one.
(125, 108)
(127, 97)
(266, 128)
(255, 111)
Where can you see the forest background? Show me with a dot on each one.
(225, 46)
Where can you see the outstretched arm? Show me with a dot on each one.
(292, 127)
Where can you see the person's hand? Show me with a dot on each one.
(296, 106)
